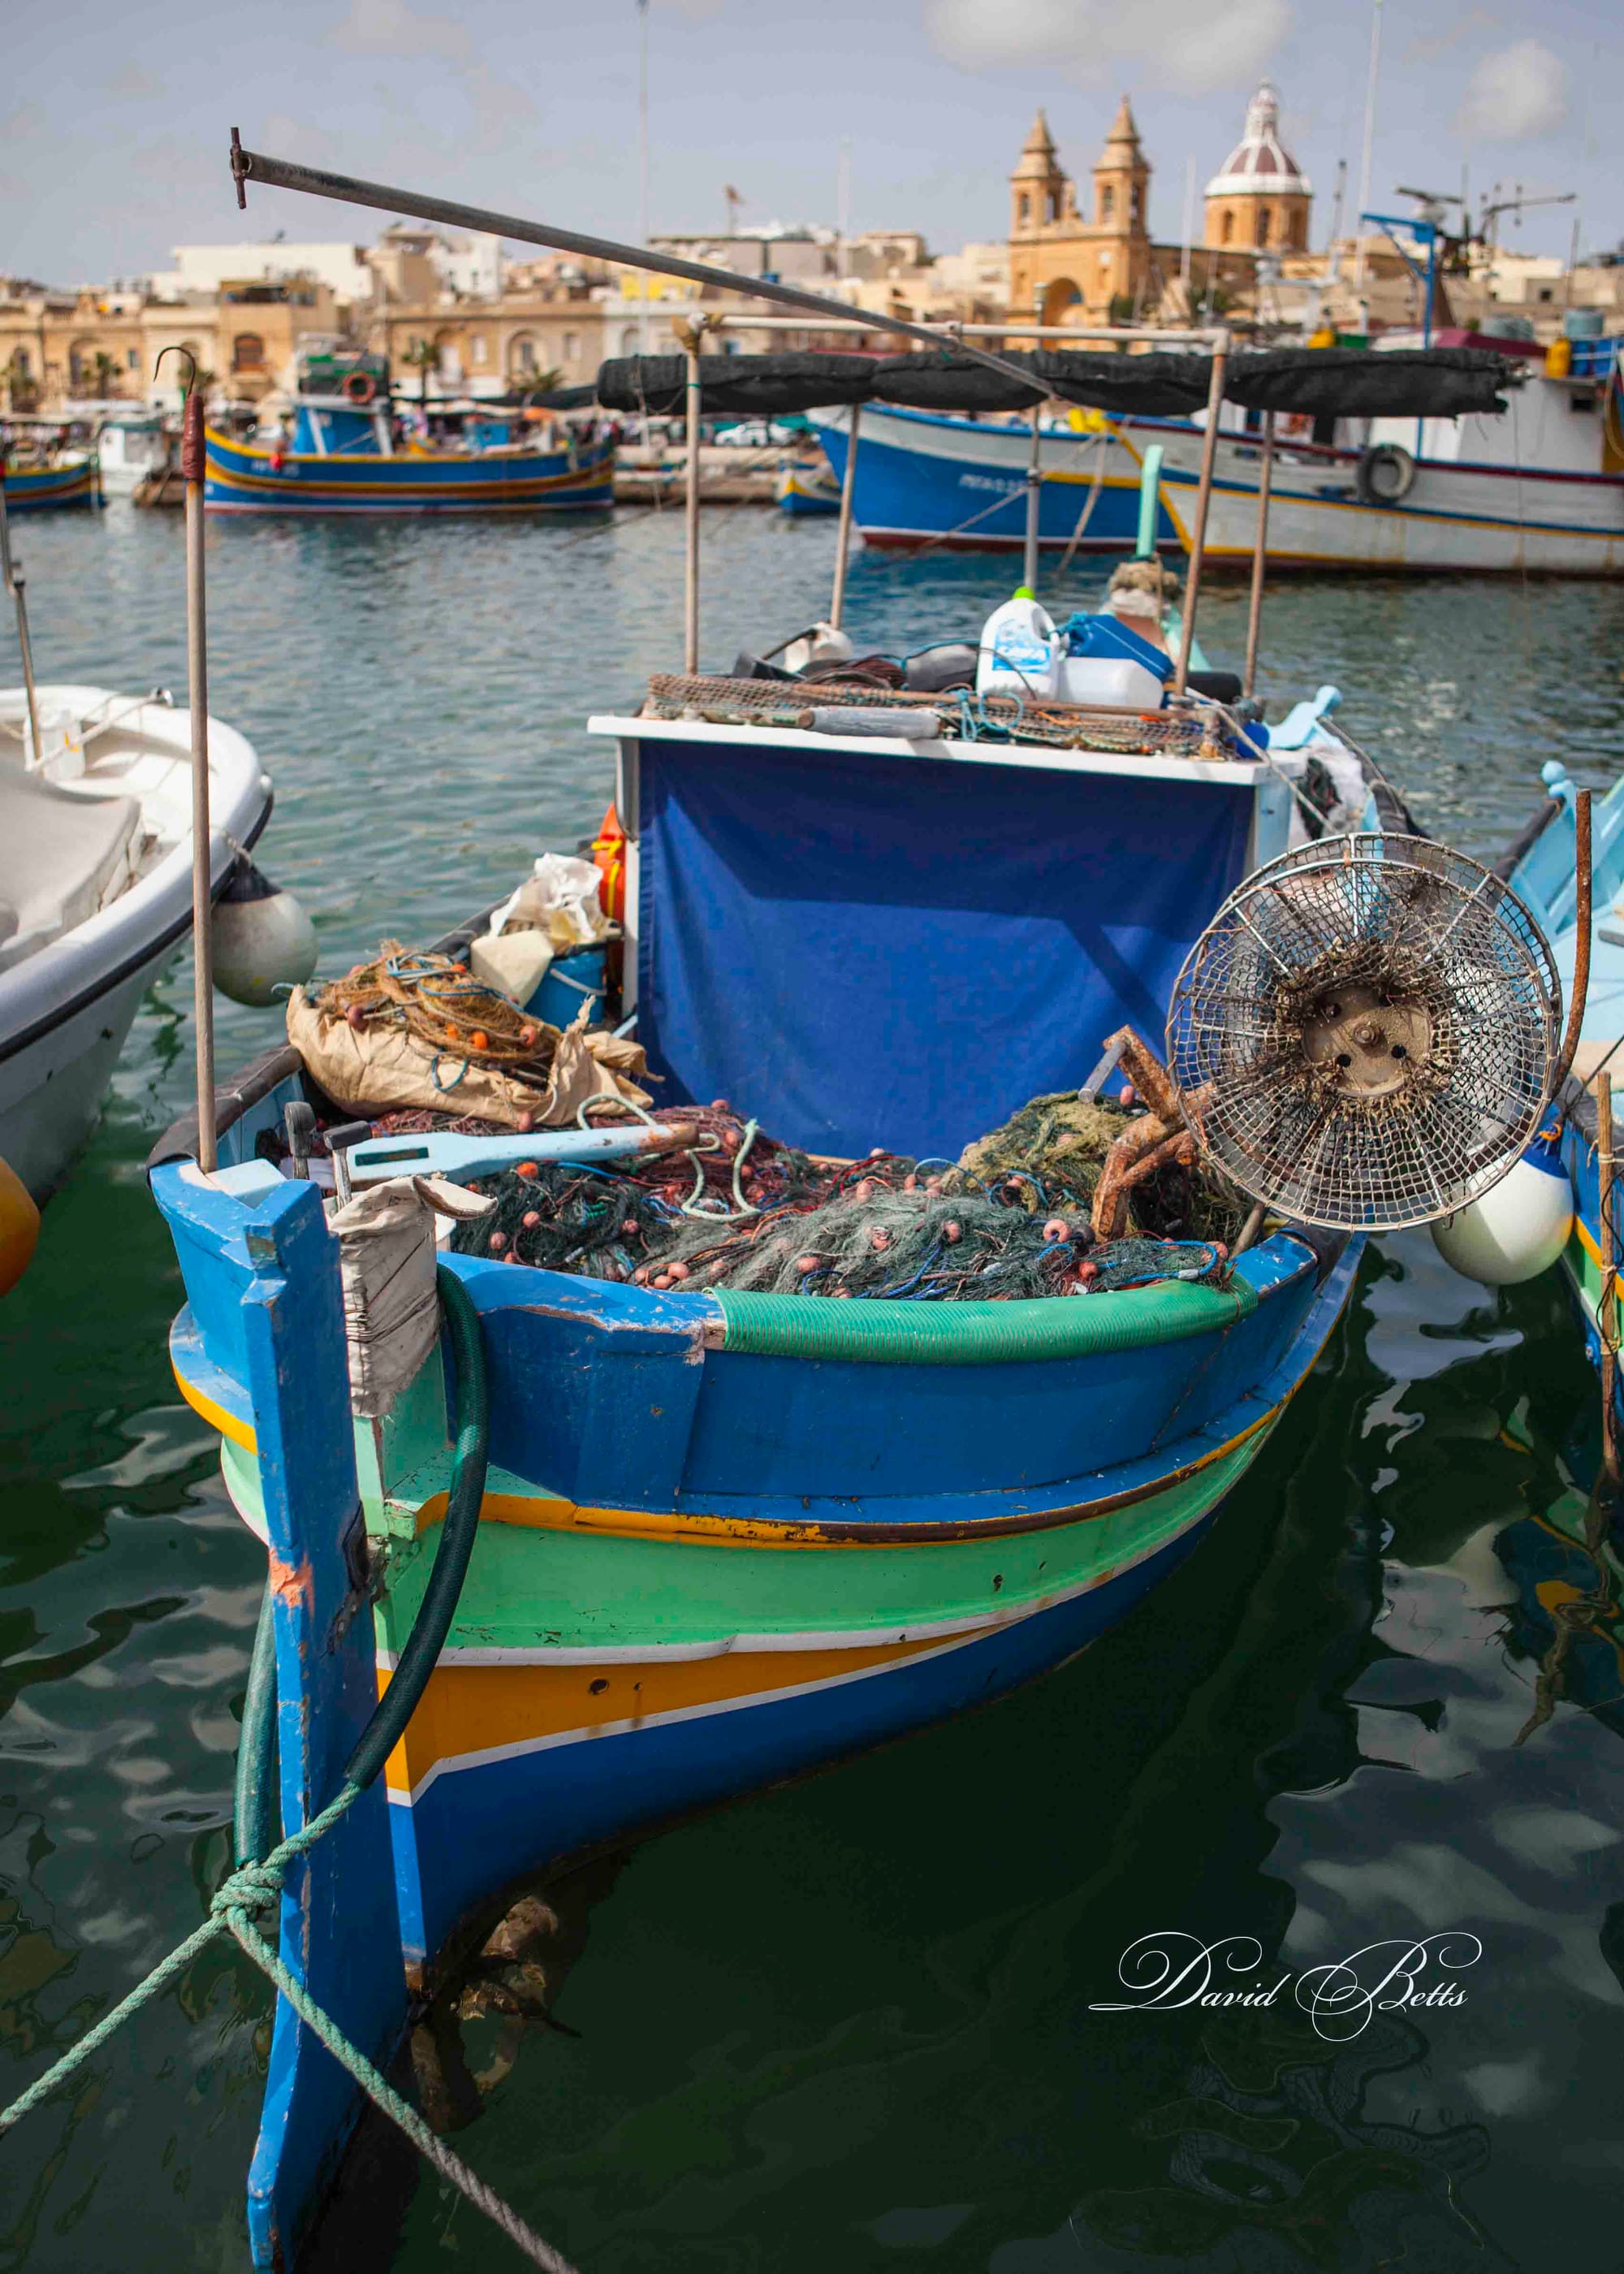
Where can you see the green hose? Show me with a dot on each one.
(470, 1459)
(256, 1815)
(256, 1820)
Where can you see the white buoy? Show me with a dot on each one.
(263, 940)
(1517, 1230)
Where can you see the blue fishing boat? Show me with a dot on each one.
(611, 1463)
(73, 479)
(346, 452)
(806, 488)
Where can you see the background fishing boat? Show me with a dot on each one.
(73, 479)
(342, 451)
(1537, 485)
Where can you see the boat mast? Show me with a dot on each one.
(1370, 145)
(12, 577)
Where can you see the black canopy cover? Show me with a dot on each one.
(1319, 382)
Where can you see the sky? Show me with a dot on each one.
(114, 123)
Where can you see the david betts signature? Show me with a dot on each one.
(1164, 1973)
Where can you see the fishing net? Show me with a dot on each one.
(872, 1229)
(441, 1004)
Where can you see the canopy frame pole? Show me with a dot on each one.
(192, 472)
(691, 333)
(1203, 499)
(15, 581)
(1260, 553)
(1035, 503)
(843, 538)
(346, 189)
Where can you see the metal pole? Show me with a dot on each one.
(15, 581)
(1608, 1307)
(843, 540)
(691, 335)
(192, 467)
(1034, 497)
(1203, 498)
(1370, 146)
(1583, 894)
(1259, 552)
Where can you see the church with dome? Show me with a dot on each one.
(1069, 265)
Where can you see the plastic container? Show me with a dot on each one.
(1584, 324)
(1020, 650)
(1110, 681)
(570, 979)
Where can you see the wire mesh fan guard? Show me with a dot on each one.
(1363, 1036)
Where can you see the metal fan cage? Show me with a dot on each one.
(1364, 1036)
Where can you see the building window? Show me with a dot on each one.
(81, 363)
(522, 356)
(1137, 203)
(1226, 228)
(1264, 218)
(132, 361)
(248, 353)
(1026, 209)
(571, 349)
(1108, 202)
(628, 340)
(476, 348)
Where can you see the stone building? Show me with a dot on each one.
(1258, 199)
(1061, 261)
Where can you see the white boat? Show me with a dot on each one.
(95, 893)
(130, 445)
(1539, 487)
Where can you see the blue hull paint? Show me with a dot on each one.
(489, 1825)
(242, 479)
(900, 494)
(50, 489)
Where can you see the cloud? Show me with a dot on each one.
(1518, 91)
(1189, 44)
(390, 27)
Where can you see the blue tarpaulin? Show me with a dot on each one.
(867, 951)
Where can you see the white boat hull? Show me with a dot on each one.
(66, 1008)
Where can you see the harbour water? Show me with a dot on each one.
(852, 2024)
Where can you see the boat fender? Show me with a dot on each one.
(1385, 474)
(20, 1228)
(263, 940)
(360, 388)
(1517, 1229)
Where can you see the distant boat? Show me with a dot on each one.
(343, 456)
(131, 446)
(806, 488)
(1538, 487)
(73, 479)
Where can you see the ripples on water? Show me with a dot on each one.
(848, 2024)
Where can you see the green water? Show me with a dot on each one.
(847, 2025)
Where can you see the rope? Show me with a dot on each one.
(247, 1891)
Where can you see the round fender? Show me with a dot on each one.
(359, 387)
(1385, 474)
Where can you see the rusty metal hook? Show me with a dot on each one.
(176, 348)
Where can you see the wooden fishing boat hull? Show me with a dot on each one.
(714, 1552)
(801, 493)
(246, 478)
(923, 477)
(75, 481)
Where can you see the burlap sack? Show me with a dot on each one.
(378, 1069)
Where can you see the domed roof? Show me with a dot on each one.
(1261, 165)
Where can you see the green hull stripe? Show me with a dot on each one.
(978, 1334)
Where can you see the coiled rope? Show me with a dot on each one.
(256, 1884)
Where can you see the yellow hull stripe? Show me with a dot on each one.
(240, 1433)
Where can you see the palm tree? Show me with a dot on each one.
(424, 357)
(103, 374)
(21, 387)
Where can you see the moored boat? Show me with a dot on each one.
(71, 480)
(346, 452)
(96, 894)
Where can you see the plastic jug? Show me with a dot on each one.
(1020, 650)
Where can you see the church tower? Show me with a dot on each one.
(1038, 187)
(1122, 178)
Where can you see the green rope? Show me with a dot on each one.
(248, 1890)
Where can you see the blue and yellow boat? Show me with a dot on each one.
(74, 478)
(726, 1537)
(343, 456)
